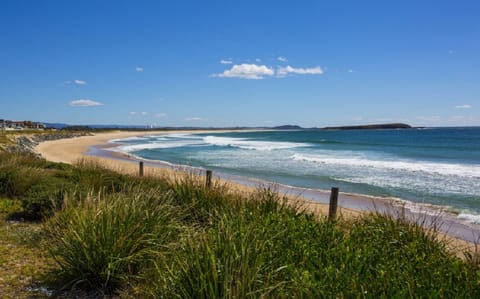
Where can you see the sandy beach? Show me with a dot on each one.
(72, 150)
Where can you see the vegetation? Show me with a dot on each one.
(174, 238)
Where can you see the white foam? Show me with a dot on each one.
(461, 170)
(156, 145)
(470, 218)
(183, 136)
(159, 138)
(120, 140)
(251, 144)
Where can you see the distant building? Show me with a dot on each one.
(20, 125)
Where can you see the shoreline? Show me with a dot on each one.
(315, 200)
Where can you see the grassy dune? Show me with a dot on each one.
(103, 233)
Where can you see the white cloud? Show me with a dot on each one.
(224, 61)
(284, 71)
(160, 115)
(138, 113)
(80, 82)
(84, 103)
(466, 106)
(139, 69)
(282, 59)
(351, 71)
(247, 71)
(258, 60)
(194, 119)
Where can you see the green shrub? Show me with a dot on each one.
(106, 241)
(92, 175)
(251, 250)
(402, 259)
(20, 172)
(265, 249)
(15, 182)
(44, 197)
(176, 238)
(9, 207)
(201, 204)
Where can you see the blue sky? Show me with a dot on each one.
(240, 63)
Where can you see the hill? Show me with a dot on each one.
(371, 127)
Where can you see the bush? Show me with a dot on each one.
(250, 251)
(92, 175)
(201, 204)
(43, 198)
(177, 238)
(269, 250)
(20, 172)
(402, 259)
(15, 182)
(106, 241)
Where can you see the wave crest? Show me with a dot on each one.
(411, 166)
(244, 143)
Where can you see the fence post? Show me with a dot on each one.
(332, 211)
(208, 181)
(140, 168)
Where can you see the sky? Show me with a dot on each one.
(240, 63)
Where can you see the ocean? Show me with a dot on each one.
(428, 166)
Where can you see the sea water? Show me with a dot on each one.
(435, 166)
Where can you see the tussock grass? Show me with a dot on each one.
(175, 238)
(201, 204)
(104, 241)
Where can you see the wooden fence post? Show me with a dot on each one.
(140, 168)
(208, 182)
(332, 211)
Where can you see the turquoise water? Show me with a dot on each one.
(439, 166)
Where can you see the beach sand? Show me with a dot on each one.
(75, 149)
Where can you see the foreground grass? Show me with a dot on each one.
(110, 234)
(22, 260)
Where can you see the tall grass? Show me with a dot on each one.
(244, 254)
(175, 238)
(36, 183)
(104, 241)
(201, 204)
(267, 249)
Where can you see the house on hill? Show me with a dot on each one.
(9, 125)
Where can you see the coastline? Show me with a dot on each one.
(459, 235)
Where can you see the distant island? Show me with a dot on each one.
(288, 127)
(360, 127)
(371, 127)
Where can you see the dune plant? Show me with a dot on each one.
(267, 249)
(106, 240)
(400, 258)
(176, 238)
(43, 198)
(20, 172)
(200, 202)
(249, 251)
(93, 175)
